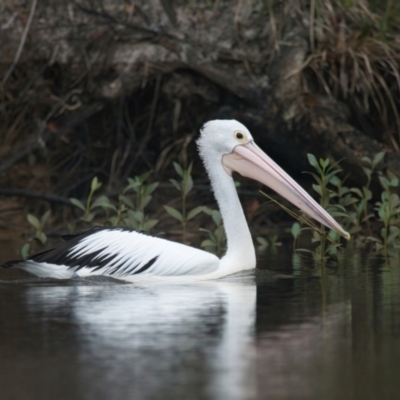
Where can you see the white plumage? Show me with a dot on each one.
(225, 146)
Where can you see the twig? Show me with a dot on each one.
(21, 43)
(52, 198)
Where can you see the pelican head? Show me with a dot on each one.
(228, 142)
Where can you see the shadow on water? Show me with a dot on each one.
(296, 333)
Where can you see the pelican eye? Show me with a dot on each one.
(240, 136)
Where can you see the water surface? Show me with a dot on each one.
(290, 332)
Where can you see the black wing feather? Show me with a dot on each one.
(60, 254)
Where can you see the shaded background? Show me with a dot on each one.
(113, 89)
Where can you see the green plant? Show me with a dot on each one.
(295, 231)
(131, 213)
(90, 205)
(270, 241)
(128, 212)
(40, 236)
(388, 210)
(365, 194)
(325, 174)
(262, 243)
(184, 186)
(216, 241)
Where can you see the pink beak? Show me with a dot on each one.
(250, 161)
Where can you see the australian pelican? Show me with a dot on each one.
(225, 146)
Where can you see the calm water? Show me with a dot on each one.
(294, 333)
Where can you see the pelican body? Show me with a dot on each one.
(224, 146)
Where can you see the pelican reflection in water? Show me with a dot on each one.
(147, 339)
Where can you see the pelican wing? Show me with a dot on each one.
(118, 252)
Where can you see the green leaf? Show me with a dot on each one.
(316, 177)
(151, 188)
(142, 178)
(382, 213)
(103, 202)
(216, 216)
(324, 163)
(174, 213)
(138, 215)
(95, 184)
(44, 218)
(187, 185)
(131, 220)
(88, 218)
(367, 160)
(317, 189)
(189, 170)
(262, 241)
(113, 221)
(132, 185)
(384, 182)
(338, 214)
(328, 177)
(378, 158)
(127, 201)
(145, 201)
(313, 161)
(367, 171)
(335, 207)
(148, 225)
(263, 244)
(394, 183)
(77, 203)
(34, 221)
(41, 237)
(192, 213)
(208, 243)
(178, 169)
(357, 192)
(176, 184)
(273, 239)
(25, 251)
(394, 201)
(335, 181)
(296, 228)
(305, 251)
(207, 210)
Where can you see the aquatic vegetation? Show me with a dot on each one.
(295, 231)
(184, 186)
(354, 208)
(129, 212)
(90, 205)
(216, 241)
(388, 209)
(40, 236)
(327, 243)
(271, 241)
(371, 223)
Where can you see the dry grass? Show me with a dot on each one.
(354, 55)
